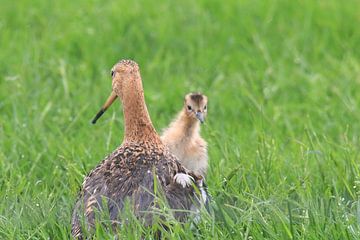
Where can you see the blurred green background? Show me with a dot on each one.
(282, 79)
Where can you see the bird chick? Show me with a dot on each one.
(183, 135)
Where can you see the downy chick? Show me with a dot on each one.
(183, 135)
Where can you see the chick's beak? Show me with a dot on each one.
(200, 116)
(107, 104)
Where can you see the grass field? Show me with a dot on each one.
(283, 81)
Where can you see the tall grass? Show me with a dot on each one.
(282, 79)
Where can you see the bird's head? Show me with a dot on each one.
(195, 106)
(124, 74)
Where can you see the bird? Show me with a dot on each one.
(183, 138)
(129, 173)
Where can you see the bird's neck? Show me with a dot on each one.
(189, 125)
(138, 125)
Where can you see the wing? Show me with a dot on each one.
(99, 186)
(132, 173)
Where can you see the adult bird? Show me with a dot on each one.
(136, 167)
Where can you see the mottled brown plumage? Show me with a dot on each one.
(128, 173)
(183, 135)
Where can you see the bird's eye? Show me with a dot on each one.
(189, 107)
(112, 73)
(205, 107)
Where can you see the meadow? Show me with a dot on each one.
(283, 127)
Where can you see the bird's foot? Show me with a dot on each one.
(183, 179)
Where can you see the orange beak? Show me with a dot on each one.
(107, 104)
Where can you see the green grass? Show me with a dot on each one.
(283, 81)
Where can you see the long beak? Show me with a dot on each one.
(200, 116)
(107, 104)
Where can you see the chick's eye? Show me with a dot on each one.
(189, 107)
(112, 73)
(205, 107)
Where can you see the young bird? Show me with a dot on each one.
(183, 135)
